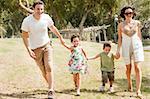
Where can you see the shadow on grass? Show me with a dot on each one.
(73, 92)
(29, 94)
(122, 84)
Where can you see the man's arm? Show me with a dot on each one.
(56, 32)
(25, 37)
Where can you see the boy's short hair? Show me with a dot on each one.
(106, 45)
(37, 2)
(74, 36)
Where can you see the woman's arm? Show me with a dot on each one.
(26, 8)
(139, 30)
(119, 37)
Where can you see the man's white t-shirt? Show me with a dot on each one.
(37, 29)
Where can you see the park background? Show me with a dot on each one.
(19, 75)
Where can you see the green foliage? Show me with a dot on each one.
(98, 12)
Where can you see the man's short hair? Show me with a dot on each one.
(38, 2)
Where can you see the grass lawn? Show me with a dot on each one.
(21, 78)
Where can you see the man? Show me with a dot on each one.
(35, 36)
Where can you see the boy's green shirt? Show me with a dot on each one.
(107, 61)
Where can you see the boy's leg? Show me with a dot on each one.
(111, 80)
(104, 80)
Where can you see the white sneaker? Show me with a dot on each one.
(101, 88)
(111, 89)
(78, 92)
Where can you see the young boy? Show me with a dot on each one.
(107, 66)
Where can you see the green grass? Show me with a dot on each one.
(146, 42)
(20, 77)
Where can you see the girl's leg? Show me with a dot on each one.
(128, 74)
(78, 83)
(75, 80)
(138, 78)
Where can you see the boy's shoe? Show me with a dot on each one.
(50, 94)
(111, 89)
(101, 88)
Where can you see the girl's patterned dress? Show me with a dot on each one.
(76, 62)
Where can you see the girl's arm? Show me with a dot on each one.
(97, 56)
(67, 46)
(84, 54)
(24, 7)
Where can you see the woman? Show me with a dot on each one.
(129, 36)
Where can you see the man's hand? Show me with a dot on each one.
(32, 54)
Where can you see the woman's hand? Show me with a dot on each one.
(117, 56)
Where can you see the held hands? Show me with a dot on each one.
(117, 55)
(62, 41)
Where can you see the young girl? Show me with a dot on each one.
(76, 62)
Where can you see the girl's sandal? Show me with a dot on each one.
(130, 89)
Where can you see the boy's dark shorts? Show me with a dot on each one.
(107, 75)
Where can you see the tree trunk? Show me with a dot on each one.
(82, 23)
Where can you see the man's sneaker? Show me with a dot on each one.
(50, 94)
(111, 89)
(101, 88)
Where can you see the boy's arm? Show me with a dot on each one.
(97, 56)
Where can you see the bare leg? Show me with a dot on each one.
(44, 75)
(138, 78)
(111, 83)
(49, 79)
(78, 83)
(75, 80)
(128, 74)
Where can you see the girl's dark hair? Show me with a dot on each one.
(106, 45)
(38, 2)
(123, 11)
(74, 36)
